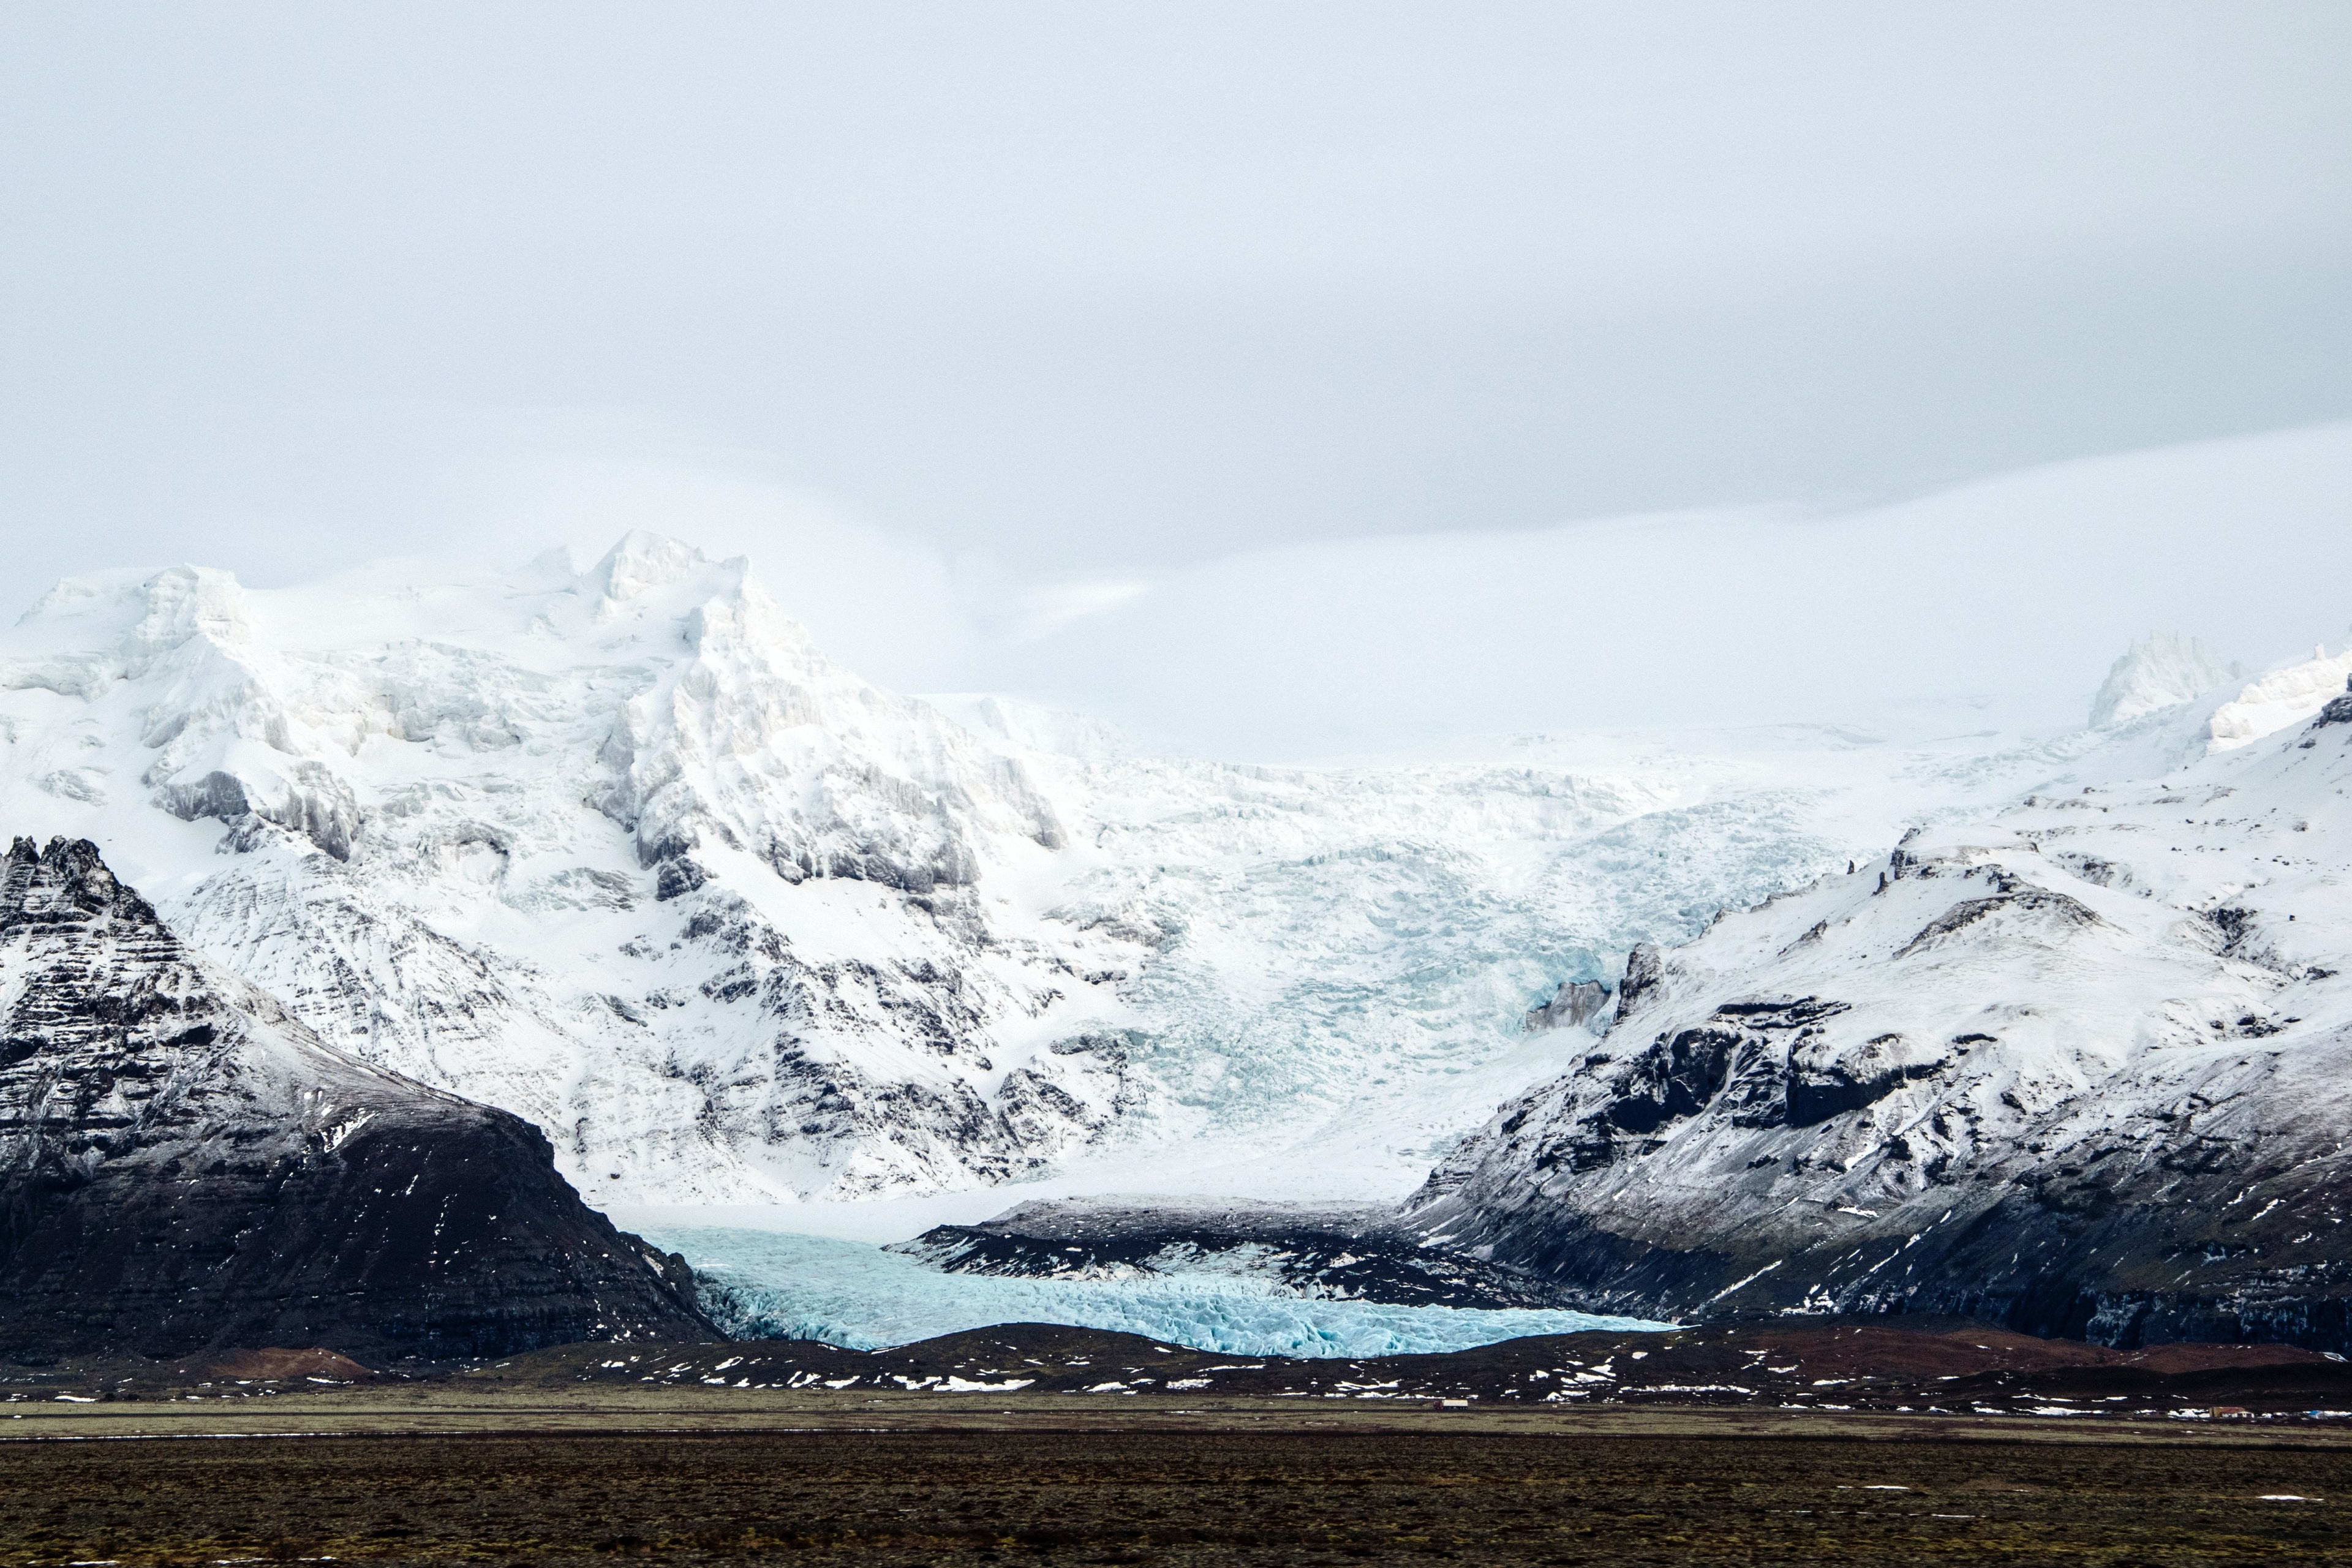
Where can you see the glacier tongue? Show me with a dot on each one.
(761, 1285)
(620, 851)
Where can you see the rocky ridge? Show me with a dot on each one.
(2078, 1067)
(184, 1165)
(1925, 1366)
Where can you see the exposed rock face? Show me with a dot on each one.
(2338, 709)
(2083, 1070)
(182, 1165)
(1354, 1254)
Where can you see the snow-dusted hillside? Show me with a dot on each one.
(2082, 1064)
(618, 851)
(183, 1164)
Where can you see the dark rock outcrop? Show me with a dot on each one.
(1358, 1254)
(2338, 709)
(184, 1165)
(1643, 972)
(2218, 1221)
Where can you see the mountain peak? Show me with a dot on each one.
(2162, 670)
(67, 882)
(644, 561)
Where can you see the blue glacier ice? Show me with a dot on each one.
(760, 1284)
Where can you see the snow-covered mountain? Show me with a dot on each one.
(618, 851)
(2080, 1065)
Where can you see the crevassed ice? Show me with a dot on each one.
(620, 851)
(770, 1285)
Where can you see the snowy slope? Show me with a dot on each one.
(618, 851)
(2016, 590)
(615, 850)
(2286, 695)
(2079, 1064)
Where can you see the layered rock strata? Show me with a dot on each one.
(184, 1165)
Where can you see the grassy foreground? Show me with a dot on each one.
(448, 1473)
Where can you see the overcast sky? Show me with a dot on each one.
(1088, 295)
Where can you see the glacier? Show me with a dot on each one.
(618, 849)
(778, 959)
(758, 1284)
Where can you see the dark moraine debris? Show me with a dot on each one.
(1340, 1253)
(184, 1165)
(1915, 1362)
